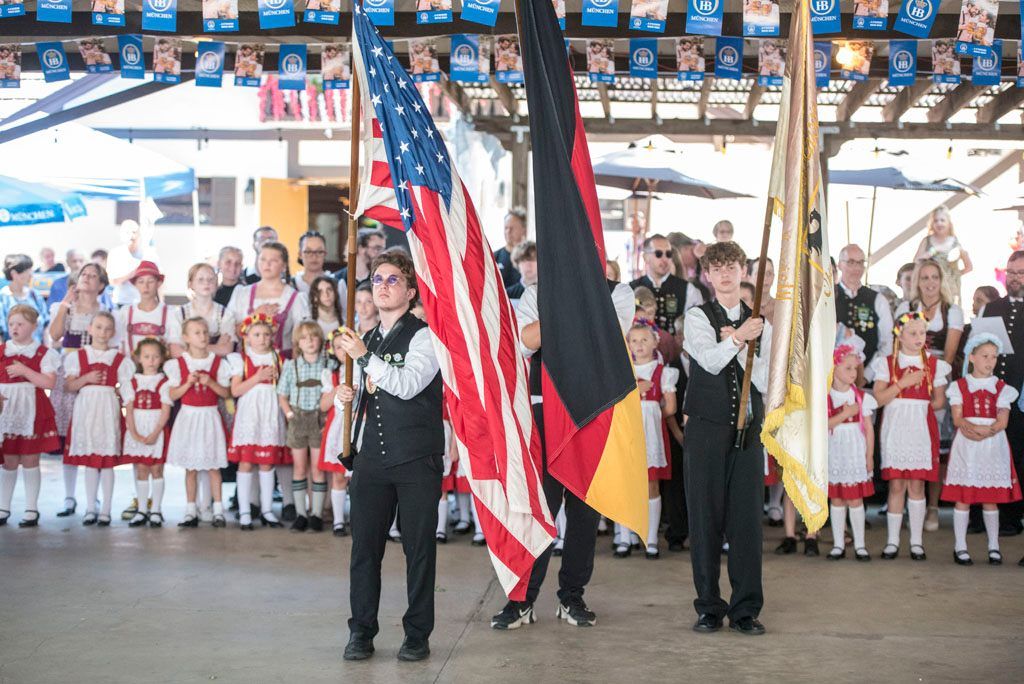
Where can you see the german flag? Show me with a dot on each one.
(593, 429)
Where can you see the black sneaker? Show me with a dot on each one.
(358, 648)
(575, 612)
(514, 615)
(787, 547)
(413, 650)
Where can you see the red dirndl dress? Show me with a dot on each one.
(44, 437)
(900, 423)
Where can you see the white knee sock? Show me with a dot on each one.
(33, 480)
(285, 473)
(775, 493)
(267, 491)
(254, 487)
(244, 482)
(70, 480)
(476, 518)
(893, 521)
(107, 483)
(298, 488)
(621, 535)
(205, 493)
(465, 502)
(916, 511)
(142, 493)
(319, 494)
(857, 526)
(992, 529)
(837, 514)
(92, 485)
(560, 522)
(653, 520)
(393, 532)
(442, 516)
(7, 480)
(960, 520)
(158, 494)
(338, 497)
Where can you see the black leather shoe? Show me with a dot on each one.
(917, 555)
(748, 626)
(811, 547)
(288, 513)
(413, 650)
(707, 623)
(316, 523)
(358, 648)
(676, 546)
(300, 524)
(787, 547)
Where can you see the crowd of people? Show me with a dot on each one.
(245, 382)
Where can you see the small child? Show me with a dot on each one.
(27, 424)
(851, 445)
(980, 464)
(657, 385)
(910, 384)
(147, 403)
(299, 393)
(94, 435)
(331, 443)
(198, 442)
(258, 436)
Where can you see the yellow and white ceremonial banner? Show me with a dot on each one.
(804, 327)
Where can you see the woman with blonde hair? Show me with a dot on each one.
(942, 245)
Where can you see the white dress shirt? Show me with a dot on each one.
(693, 294)
(622, 299)
(403, 382)
(702, 345)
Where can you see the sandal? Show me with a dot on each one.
(103, 521)
(156, 519)
(837, 553)
(90, 519)
(994, 557)
(918, 554)
(862, 555)
(962, 558)
(34, 522)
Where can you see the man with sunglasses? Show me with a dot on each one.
(674, 295)
(399, 457)
(862, 311)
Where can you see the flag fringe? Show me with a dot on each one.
(793, 471)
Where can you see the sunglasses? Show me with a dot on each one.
(660, 254)
(390, 281)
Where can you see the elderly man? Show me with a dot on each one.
(515, 233)
(862, 312)
(1010, 370)
(75, 258)
(674, 295)
(48, 262)
(260, 237)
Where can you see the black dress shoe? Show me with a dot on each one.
(747, 625)
(358, 648)
(413, 650)
(676, 546)
(917, 555)
(787, 547)
(288, 513)
(811, 547)
(962, 558)
(316, 523)
(707, 623)
(300, 524)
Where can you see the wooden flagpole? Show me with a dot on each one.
(353, 224)
(741, 421)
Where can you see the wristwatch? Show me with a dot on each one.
(363, 360)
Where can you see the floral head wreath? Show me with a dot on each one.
(844, 350)
(907, 318)
(334, 333)
(258, 319)
(646, 323)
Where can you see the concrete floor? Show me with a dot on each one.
(83, 605)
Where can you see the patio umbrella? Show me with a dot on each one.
(894, 179)
(24, 204)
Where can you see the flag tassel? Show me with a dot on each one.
(353, 222)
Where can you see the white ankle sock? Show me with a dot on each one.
(205, 492)
(893, 523)
(243, 482)
(8, 478)
(267, 491)
(338, 497)
(916, 511)
(70, 480)
(299, 496)
(285, 473)
(442, 516)
(158, 494)
(92, 486)
(142, 493)
(653, 520)
(319, 494)
(107, 483)
(960, 520)
(837, 514)
(33, 480)
(857, 526)
(465, 502)
(560, 521)
(991, 529)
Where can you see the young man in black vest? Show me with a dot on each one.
(674, 295)
(1010, 370)
(863, 311)
(399, 440)
(580, 519)
(724, 469)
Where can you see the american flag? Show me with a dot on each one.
(408, 181)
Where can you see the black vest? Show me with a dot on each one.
(716, 398)
(535, 359)
(394, 430)
(859, 315)
(670, 297)
(1010, 368)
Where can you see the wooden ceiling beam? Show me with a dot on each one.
(955, 100)
(856, 98)
(753, 99)
(905, 99)
(1001, 105)
(705, 96)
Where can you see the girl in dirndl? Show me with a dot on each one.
(910, 385)
(851, 444)
(27, 425)
(331, 443)
(980, 467)
(94, 435)
(657, 385)
(147, 403)
(258, 435)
